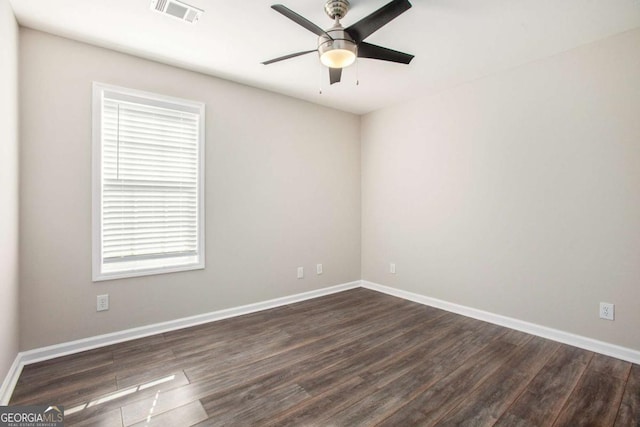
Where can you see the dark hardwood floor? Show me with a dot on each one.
(357, 358)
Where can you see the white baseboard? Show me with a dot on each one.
(586, 343)
(10, 381)
(63, 349)
(71, 347)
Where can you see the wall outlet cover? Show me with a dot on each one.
(607, 311)
(102, 303)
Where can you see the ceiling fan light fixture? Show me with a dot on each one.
(336, 48)
(338, 58)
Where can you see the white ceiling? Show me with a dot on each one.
(454, 41)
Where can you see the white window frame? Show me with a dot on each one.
(156, 100)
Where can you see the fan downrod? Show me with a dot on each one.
(336, 9)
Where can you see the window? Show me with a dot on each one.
(148, 194)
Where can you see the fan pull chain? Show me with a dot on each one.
(357, 73)
(320, 80)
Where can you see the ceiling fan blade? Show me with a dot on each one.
(367, 50)
(373, 22)
(291, 55)
(300, 20)
(335, 74)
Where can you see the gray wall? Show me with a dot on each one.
(282, 186)
(8, 188)
(518, 194)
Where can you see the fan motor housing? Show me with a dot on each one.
(342, 44)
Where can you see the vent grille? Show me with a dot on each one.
(177, 9)
(160, 5)
(191, 16)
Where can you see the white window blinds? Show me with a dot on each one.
(150, 184)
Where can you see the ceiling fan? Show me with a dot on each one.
(338, 47)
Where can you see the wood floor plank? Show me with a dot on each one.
(132, 356)
(435, 398)
(596, 398)
(199, 363)
(629, 413)
(380, 369)
(111, 418)
(486, 403)
(255, 411)
(303, 347)
(247, 325)
(321, 365)
(148, 372)
(379, 404)
(88, 383)
(315, 410)
(60, 367)
(378, 359)
(70, 389)
(196, 345)
(187, 415)
(318, 373)
(136, 345)
(96, 406)
(543, 398)
(317, 317)
(352, 358)
(610, 367)
(207, 380)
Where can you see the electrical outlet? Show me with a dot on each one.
(102, 303)
(607, 311)
(319, 268)
(300, 272)
(392, 268)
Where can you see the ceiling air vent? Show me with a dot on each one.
(177, 9)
